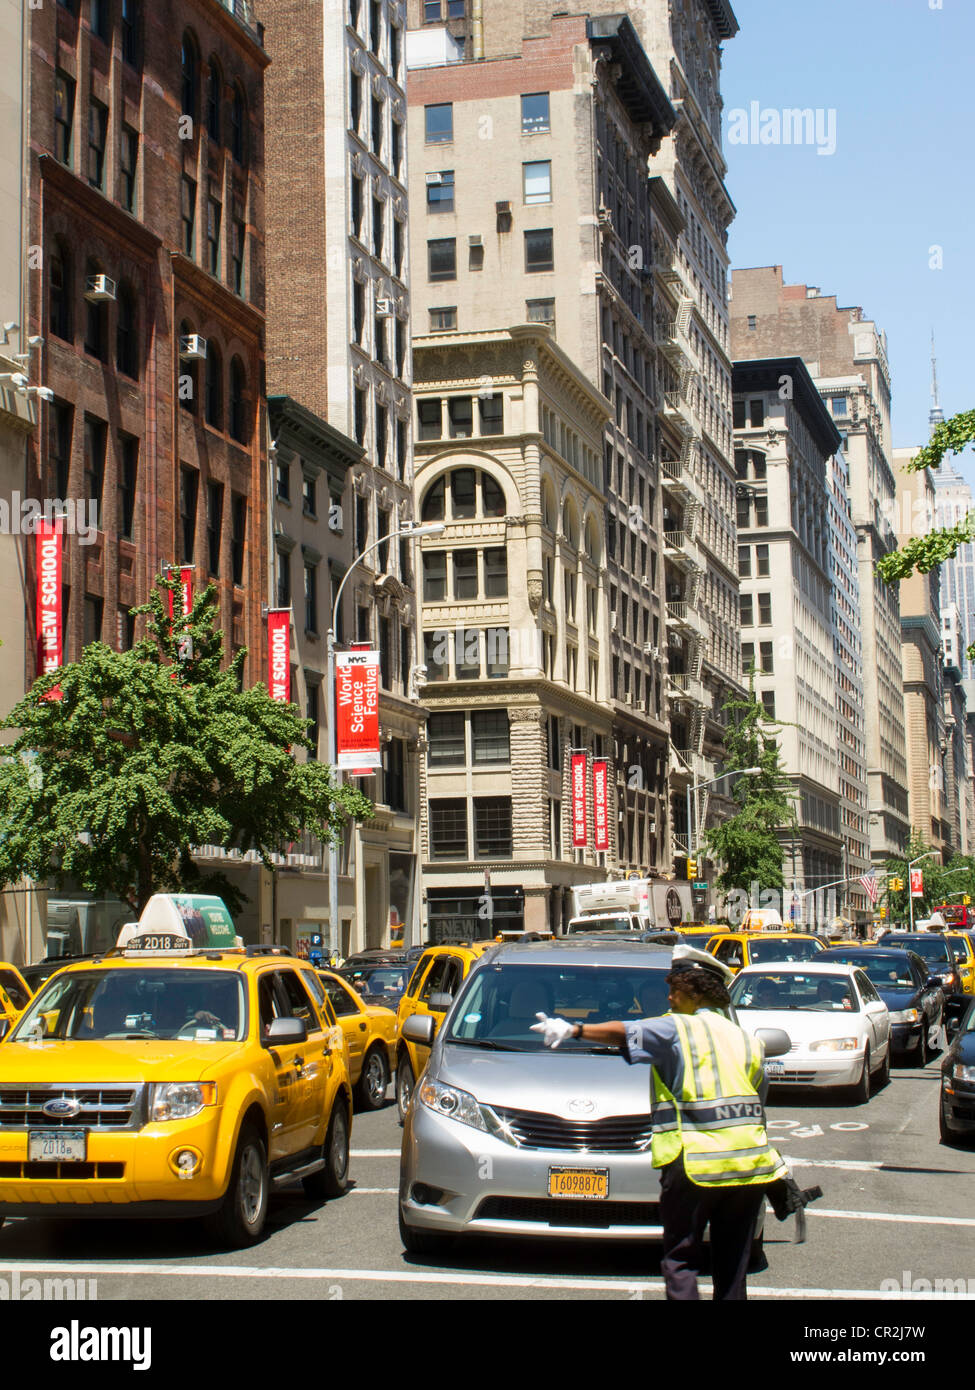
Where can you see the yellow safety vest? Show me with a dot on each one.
(718, 1121)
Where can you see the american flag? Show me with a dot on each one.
(869, 882)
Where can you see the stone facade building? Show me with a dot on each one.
(515, 626)
(339, 346)
(846, 355)
(784, 439)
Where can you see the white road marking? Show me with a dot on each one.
(375, 1153)
(891, 1216)
(423, 1276)
(855, 1165)
(385, 1191)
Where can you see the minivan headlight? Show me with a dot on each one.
(449, 1101)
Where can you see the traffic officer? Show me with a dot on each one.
(708, 1122)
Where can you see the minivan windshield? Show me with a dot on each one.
(933, 949)
(502, 1001)
(196, 1006)
(591, 924)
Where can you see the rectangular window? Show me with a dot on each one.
(396, 131)
(738, 415)
(214, 525)
(539, 251)
(465, 574)
(381, 438)
(761, 509)
(382, 532)
(764, 609)
(537, 181)
(360, 415)
(491, 410)
(311, 713)
(761, 559)
(443, 320)
(100, 19)
(284, 579)
(378, 114)
(394, 775)
(747, 657)
(430, 418)
(492, 827)
(238, 233)
(379, 341)
(127, 477)
(744, 561)
(355, 100)
(128, 161)
(96, 434)
(436, 656)
(534, 113)
(188, 213)
(460, 414)
(59, 444)
(358, 311)
(311, 597)
(768, 702)
(745, 608)
(356, 206)
(756, 413)
(496, 642)
(399, 244)
(540, 311)
(97, 132)
(490, 741)
(442, 259)
(378, 227)
(63, 117)
(434, 576)
(439, 124)
(94, 610)
(440, 191)
(239, 538)
(495, 573)
(214, 213)
(445, 737)
(766, 652)
(468, 643)
(282, 481)
(189, 482)
(308, 499)
(463, 493)
(361, 524)
(448, 828)
(743, 510)
(130, 33)
(837, 405)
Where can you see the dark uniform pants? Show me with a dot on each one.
(685, 1211)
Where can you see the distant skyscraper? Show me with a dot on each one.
(935, 415)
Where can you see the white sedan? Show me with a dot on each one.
(839, 1025)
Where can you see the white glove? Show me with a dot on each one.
(555, 1030)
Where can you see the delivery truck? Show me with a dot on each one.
(636, 904)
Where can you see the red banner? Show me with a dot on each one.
(50, 645)
(357, 710)
(600, 824)
(185, 592)
(279, 654)
(580, 832)
(917, 883)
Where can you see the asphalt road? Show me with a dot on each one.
(897, 1206)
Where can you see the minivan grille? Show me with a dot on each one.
(615, 1134)
(101, 1107)
(556, 1211)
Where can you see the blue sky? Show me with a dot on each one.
(860, 223)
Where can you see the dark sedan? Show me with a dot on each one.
(938, 953)
(914, 997)
(957, 1108)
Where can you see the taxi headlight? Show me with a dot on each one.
(905, 1015)
(834, 1045)
(180, 1100)
(449, 1101)
(962, 1073)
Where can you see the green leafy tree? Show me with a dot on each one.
(942, 883)
(747, 844)
(146, 755)
(922, 553)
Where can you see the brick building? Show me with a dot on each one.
(146, 184)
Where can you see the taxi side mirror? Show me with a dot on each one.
(285, 1030)
(777, 1041)
(418, 1028)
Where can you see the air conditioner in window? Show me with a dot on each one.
(651, 651)
(475, 240)
(384, 308)
(433, 180)
(99, 288)
(613, 621)
(192, 348)
(502, 207)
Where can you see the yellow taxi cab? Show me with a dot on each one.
(370, 1039)
(8, 1013)
(741, 948)
(16, 987)
(961, 944)
(172, 1079)
(432, 987)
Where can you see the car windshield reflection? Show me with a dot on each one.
(820, 993)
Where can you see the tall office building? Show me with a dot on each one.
(952, 503)
(339, 349)
(846, 355)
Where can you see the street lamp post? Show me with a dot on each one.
(929, 854)
(435, 528)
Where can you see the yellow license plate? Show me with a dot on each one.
(578, 1182)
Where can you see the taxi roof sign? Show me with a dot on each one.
(201, 918)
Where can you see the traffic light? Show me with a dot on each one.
(966, 900)
(692, 868)
(895, 885)
(882, 913)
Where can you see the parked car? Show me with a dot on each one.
(839, 1025)
(956, 1118)
(912, 994)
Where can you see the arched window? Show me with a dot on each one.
(238, 401)
(214, 100)
(188, 375)
(238, 125)
(570, 524)
(126, 333)
(214, 387)
(592, 540)
(189, 59)
(433, 502)
(548, 506)
(492, 497)
(59, 282)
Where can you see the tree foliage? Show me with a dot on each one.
(747, 844)
(147, 755)
(922, 553)
(942, 883)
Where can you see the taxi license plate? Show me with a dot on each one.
(58, 1146)
(589, 1183)
(774, 1068)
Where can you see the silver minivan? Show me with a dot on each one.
(504, 1136)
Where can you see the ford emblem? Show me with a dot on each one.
(61, 1109)
(582, 1107)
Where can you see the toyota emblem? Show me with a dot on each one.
(582, 1107)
